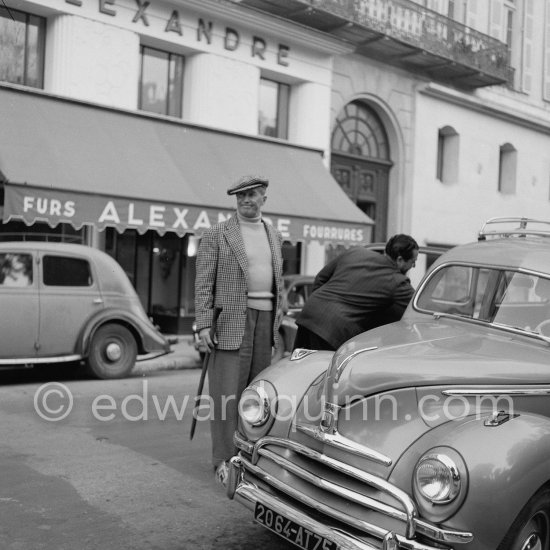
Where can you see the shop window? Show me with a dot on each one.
(292, 257)
(447, 155)
(39, 231)
(273, 109)
(22, 39)
(161, 82)
(507, 169)
(162, 269)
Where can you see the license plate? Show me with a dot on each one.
(290, 530)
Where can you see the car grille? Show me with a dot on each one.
(342, 493)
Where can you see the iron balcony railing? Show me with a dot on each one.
(409, 22)
(403, 33)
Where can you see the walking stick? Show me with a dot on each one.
(198, 398)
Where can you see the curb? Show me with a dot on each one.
(183, 356)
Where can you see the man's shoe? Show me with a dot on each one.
(222, 473)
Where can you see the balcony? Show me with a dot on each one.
(404, 34)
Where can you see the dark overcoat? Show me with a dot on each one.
(222, 281)
(359, 290)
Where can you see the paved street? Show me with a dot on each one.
(118, 471)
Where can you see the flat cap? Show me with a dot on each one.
(246, 183)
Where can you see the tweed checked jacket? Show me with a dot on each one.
(222, 281)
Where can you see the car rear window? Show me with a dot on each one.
(66, 271)
(16, 269)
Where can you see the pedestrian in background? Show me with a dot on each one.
(359, 290)
(16, 270)
(239, 270)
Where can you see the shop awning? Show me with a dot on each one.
(72, 162)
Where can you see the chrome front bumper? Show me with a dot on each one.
(249, 489)
(249, 494)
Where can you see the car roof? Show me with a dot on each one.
(531, 253)
(109, 270)
(48, 246)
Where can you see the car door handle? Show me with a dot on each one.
(98, 301)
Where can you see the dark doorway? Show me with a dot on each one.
(361, 162)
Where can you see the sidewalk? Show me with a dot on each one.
(183, 356)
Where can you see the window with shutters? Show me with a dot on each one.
(496, 26)
(451, 9)
(512, 36)
(509, 26)
(471, 14)
(527, 47)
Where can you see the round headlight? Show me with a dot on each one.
(437, 478)
(255, 405)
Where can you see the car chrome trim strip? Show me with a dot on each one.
(343, 364)
(469, 392)
(312, 503)
(348, 494)
(248, 494)
(340, 442)
(39, 360)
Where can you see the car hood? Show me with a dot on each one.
(409, 364)
(435, 352)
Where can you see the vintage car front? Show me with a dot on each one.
(429, 433)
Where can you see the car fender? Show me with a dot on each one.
(147, 337)
(506, 465)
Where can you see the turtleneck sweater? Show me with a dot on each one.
(260, 266)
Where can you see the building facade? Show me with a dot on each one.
(125, 121)
(440, 117)
(122, 123)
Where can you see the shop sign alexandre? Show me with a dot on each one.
(32, 204)
(144, 12)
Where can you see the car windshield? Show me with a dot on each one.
(503, 297)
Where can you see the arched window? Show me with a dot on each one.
(358, 131)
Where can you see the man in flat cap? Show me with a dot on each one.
(239, 275)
